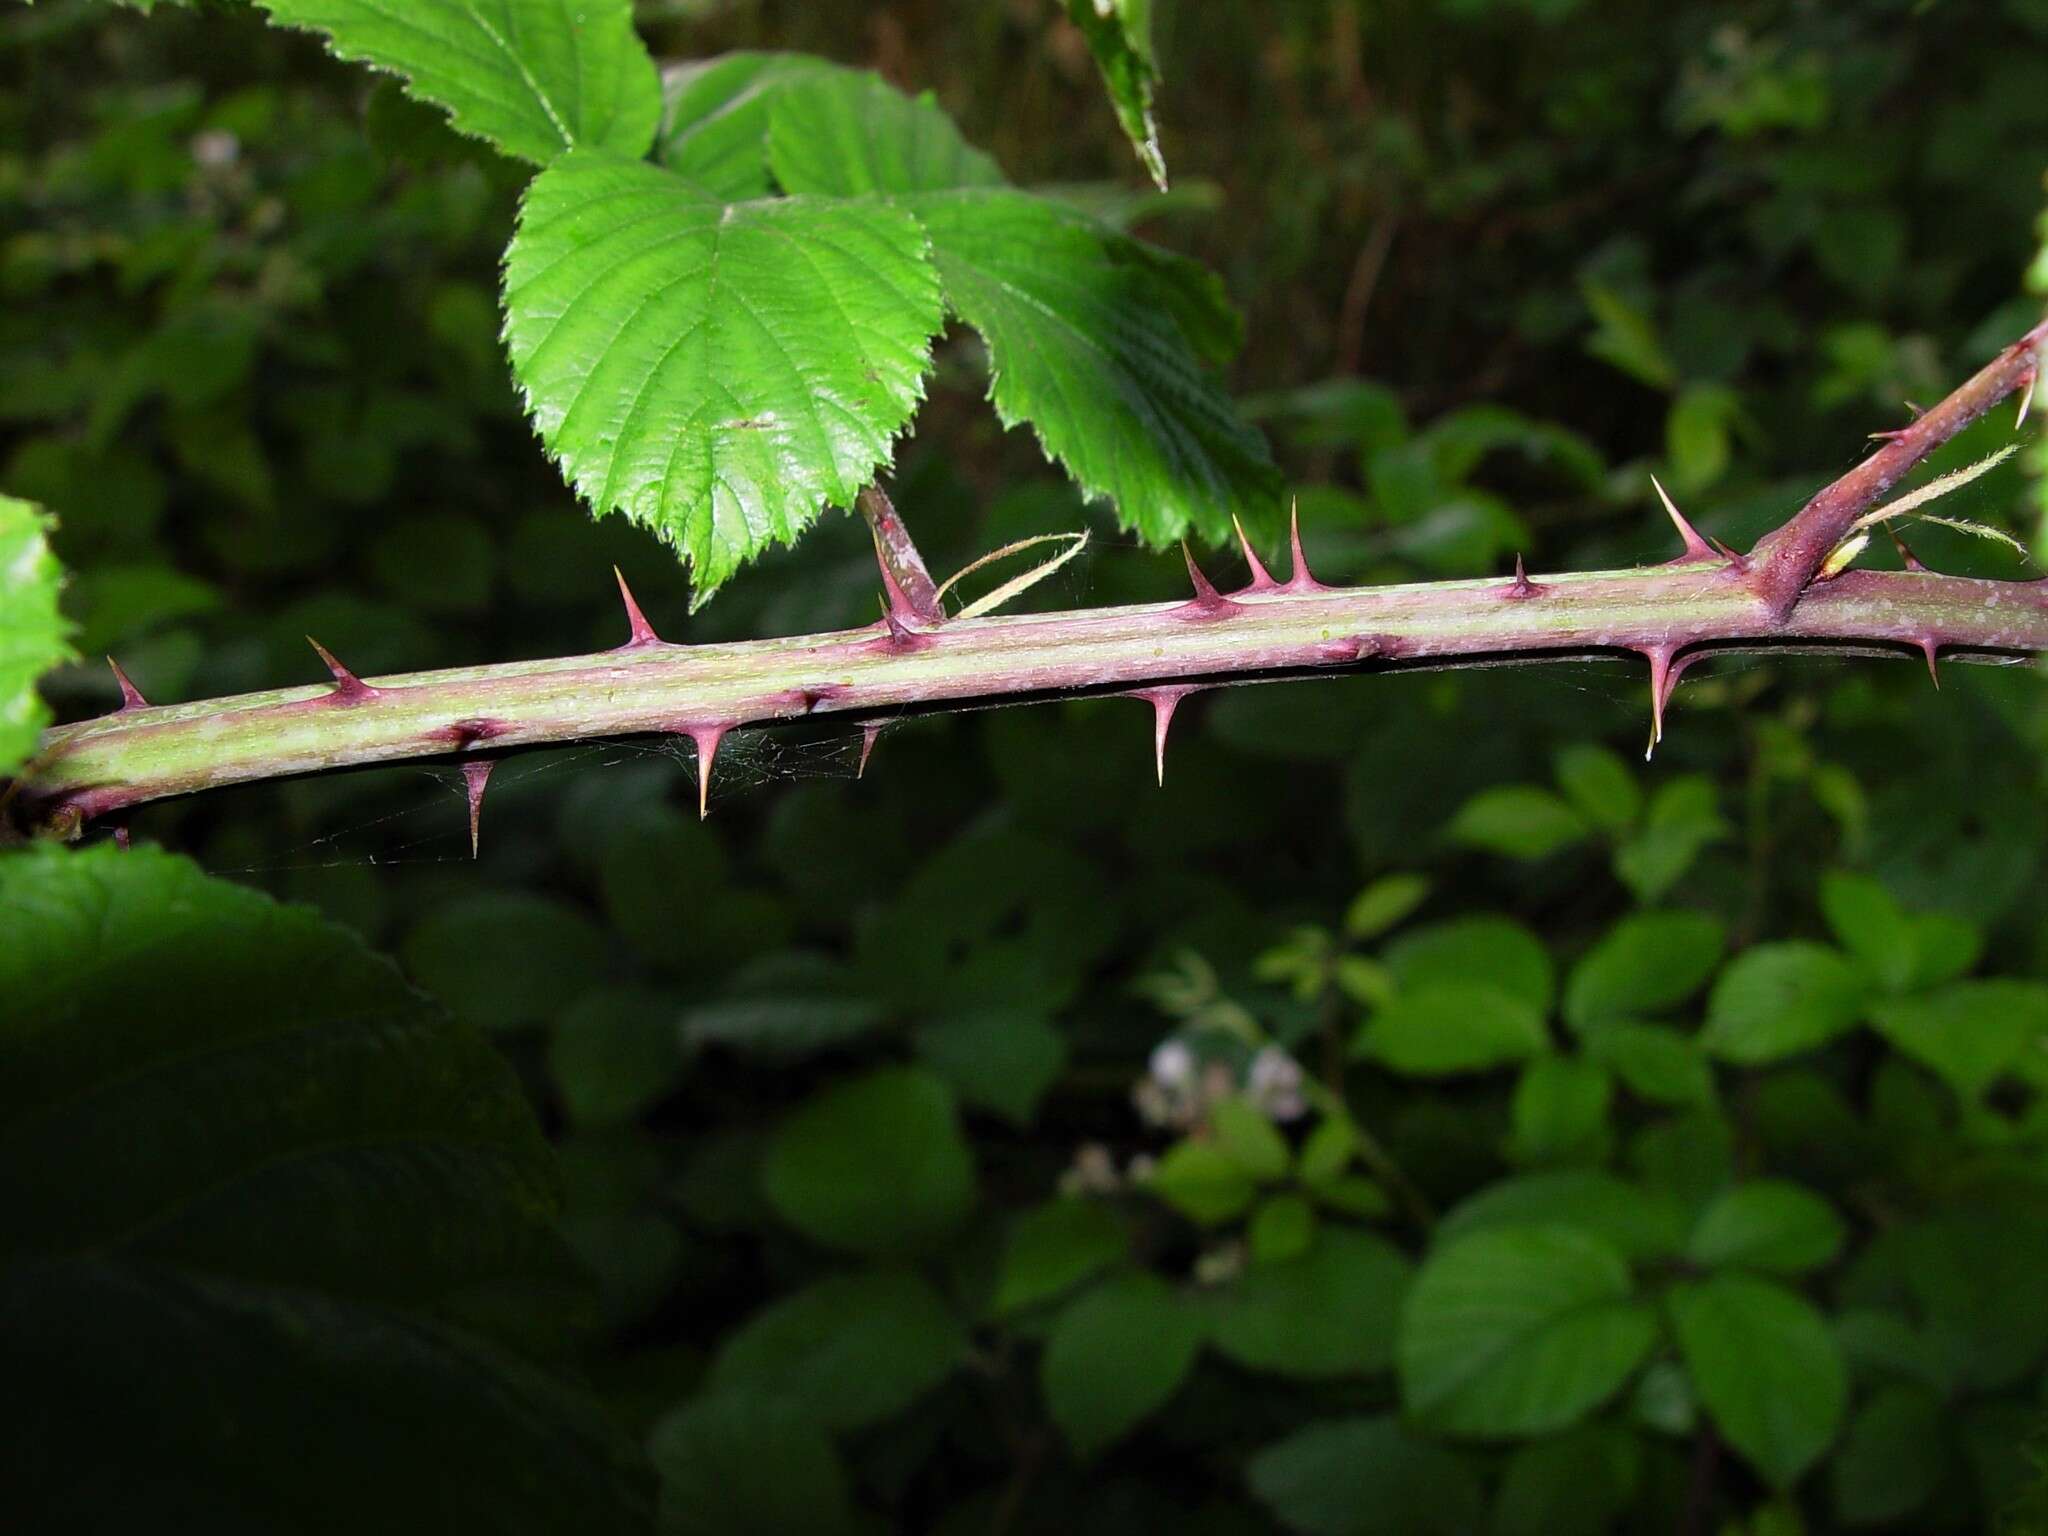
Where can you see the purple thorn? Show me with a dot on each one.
(899, 637)
(1907, 558)
(1891, 436)
(123, 838)
(899, 604)
(1521, 586)
(1163, 701)
(868, 733)
(1261, 580)
(475, 775)
(642, 632)
(131, 696)
(1739, 564)
(1300, 579)
(1663, 679)
(1696, 548)
(707, 738)
(348, 688)
(1207, 603)
(1931, 649)
(2031, 377)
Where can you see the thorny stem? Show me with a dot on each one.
(1673, 614)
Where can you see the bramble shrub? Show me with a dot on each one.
(1417, 1114)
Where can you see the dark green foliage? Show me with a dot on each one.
(1420, 1115)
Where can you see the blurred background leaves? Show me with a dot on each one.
(995, 1142)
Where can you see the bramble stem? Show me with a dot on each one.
(913, 660)
(137, 755)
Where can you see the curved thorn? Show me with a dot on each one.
(1892, 436)
(124, 839)
(1907, 558)
(706, 738)
(868, 733)
(1262, 580)
(1663, 678)
(1205, 591)
(131, 696)
(1300, 579)
(475, 774)
(1931, 649)
(348, 688)
(642, 631)
(1696, 548)
(2027, 397)
(1163, 701)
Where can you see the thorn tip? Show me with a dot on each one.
(475, 774)
(348, 688)
(131, 696)
(642, 631)
(868, 733)
(1261, 578)
(706, 738)
(1300, 579)
(1163, 701)
(1696, 548)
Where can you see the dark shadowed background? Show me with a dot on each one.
(1422, 1114)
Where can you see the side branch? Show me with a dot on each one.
(1788, 559)
(1669, 614)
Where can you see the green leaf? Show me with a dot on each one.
(1767, 1369)
(1283, 1228)
(1646, 963)
(1641, 1223)
(848, 132)
(1496, 950)
(1329, 1312)
(715, 371)
(781, 1028)
(1053, 1248)
(1519, 1331)
(1119, 34)
(1559, 1112)
(1366, 1477)
(1115, 1356)
(1384, 904)
(737, 1465)
(32, 631)
(241, 1156)
(1871, 926)
(998, 1059)
(1518, 820)
(1086, 346)
(848, 1351)
(1576, 1484)
(503, 959)
(1767, 1224)
(1969, 1032)
(1893, 1458)
(1626, 337)
(1654, 1062)
(1778, 1000)
(1249, 1139)
(1446, 1028)
(613, 1054)
(876, 1164)
(715, 114)
(1684, 819)
(1600, 786)
(534, 77)
(1203, 1182)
